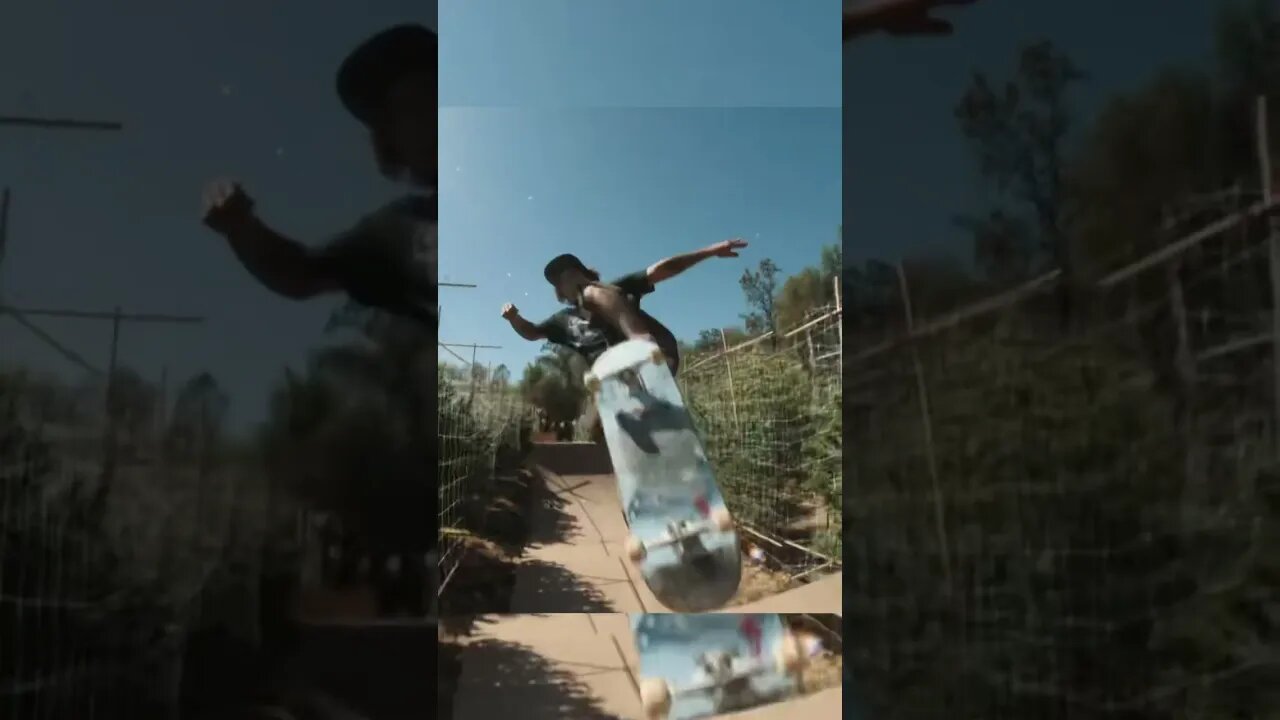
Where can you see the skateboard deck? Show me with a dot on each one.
(695, 666)
(681, 533)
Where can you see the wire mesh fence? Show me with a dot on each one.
(769, 412)
(1071, 521)
(104, 572)
(480, 420)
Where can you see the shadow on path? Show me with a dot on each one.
(547, 503)
(528, 686)
(573, 458)
(559, 590)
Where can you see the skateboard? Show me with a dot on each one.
(694, 666)
(681, 534)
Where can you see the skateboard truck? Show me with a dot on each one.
(592, 381)
(656, 694)
(681, 534)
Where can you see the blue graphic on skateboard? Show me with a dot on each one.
(681, 534)
(694, 666)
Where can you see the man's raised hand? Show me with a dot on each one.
(510, 311)
(898, 17)
(727, 248)
(226, 206)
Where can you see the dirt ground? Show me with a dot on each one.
(485, 579)
(759, 582)
(826, 669)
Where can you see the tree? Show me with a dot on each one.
(353, 433)
(553, 382)
(800, 295)
(501, 377)
(871, 298)
(1146, 152)
(1018, 130)
(1247, 49)
(832, 261)
(760, 288)
(197, 424)
(716, 340)
(132, 407)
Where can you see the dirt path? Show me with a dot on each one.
(584, 666)
(574, 559)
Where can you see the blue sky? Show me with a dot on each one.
(623, 188)
(628, 53)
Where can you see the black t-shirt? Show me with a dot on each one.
(388, 260)
(573, 328)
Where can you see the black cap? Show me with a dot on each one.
(561, 263)
(366, 76)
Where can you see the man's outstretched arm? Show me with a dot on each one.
(523, 328)
(668, 268)
(897, 17)
(284, 266)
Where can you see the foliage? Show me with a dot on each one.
(761, 288)
(72, 591)
(1019, 132)
(1084, 531)
(1071, 560)
(554, 383)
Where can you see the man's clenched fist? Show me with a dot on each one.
(226, 206)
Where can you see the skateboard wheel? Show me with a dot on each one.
(722, 520)
(592, 382)
(788, 656)
(635, 549)
(657, 356)
(655, 697)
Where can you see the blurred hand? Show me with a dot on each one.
(727, 248)
(898, 17)
(226, 206)
(510, 311)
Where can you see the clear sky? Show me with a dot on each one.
(203, 89)
(907, 172)
(623, 188)
(627, 53)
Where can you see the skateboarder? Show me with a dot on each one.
(386, 261)
(604, 314)
(600, 315)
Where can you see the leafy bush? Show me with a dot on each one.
(77, 627)
(1067, 554)
(772, 429)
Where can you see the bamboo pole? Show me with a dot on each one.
(926, 419)
(733, 397)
